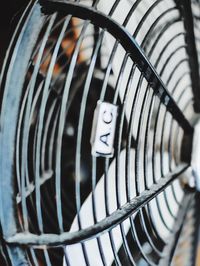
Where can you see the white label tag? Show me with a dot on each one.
(103, 130)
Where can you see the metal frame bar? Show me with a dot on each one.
(105, 225)
(130, 46)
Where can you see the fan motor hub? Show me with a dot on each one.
(195, 157)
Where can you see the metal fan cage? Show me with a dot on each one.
(60, 205)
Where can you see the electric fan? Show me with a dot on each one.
(99, 133)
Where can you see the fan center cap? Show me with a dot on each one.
(195, 158)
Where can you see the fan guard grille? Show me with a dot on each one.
(60, 194)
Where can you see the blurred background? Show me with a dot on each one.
(9, 15)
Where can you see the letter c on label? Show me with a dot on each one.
(107, 118)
